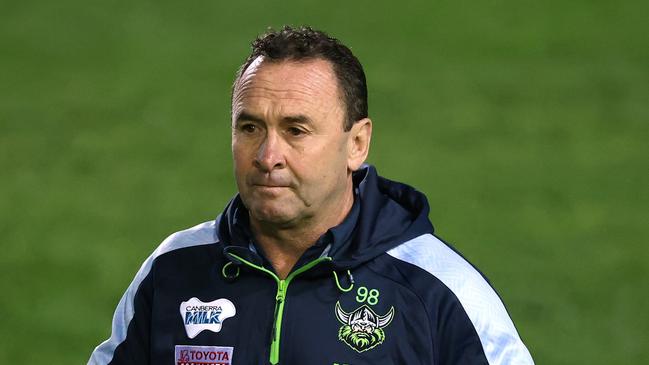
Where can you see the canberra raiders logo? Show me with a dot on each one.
(362, 329)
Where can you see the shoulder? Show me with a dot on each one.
(201, 234)
(430, 257)
(198, 235)
(135, 300)
(439, 260)
(427, 261)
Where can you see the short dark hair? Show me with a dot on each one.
(304, 43)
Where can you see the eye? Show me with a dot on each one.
(295, 131)
(248, 128)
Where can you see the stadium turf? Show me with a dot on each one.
(526, 124)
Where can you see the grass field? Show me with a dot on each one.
(526, 124)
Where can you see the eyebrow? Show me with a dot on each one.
(292, 119)
(249, 117)
(297, 119)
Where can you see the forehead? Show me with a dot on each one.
(287, 84)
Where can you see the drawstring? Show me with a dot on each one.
(225, 274)
(232, 253)
(351, 280)
(232, 276)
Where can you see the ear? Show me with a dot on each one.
(359, 143)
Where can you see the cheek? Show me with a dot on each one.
(326, 166)
(240, 152)
(241, 164)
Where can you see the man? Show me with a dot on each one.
(317, 260)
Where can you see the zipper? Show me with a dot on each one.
(280, 296)
(277, 321)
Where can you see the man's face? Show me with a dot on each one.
(291, 154)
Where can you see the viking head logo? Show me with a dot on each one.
(362, 329)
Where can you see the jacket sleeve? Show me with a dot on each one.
(469, 319)
(466, 338)
(129, 341)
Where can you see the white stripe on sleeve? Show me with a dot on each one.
(201, 234)
(500, 340)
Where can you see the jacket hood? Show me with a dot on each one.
(385, 214)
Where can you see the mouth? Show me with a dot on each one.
(269, 186)
(269, 183)
(270, 189)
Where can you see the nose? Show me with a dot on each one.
(270, 155)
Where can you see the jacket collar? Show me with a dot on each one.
(384, 214)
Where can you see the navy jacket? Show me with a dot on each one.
(379, 288)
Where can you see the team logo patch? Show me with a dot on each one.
(199, 316)
(203, 355)
(362, 329)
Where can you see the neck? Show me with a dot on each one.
(284, 245)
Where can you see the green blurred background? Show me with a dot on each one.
(525, 122)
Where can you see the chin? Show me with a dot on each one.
(272, 214)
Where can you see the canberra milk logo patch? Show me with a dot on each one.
(362, 329)
(204, 355)
(199, 316)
